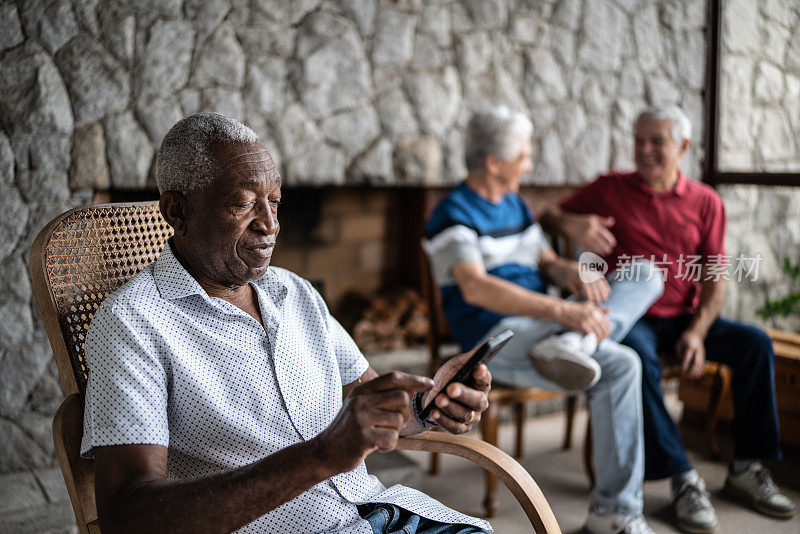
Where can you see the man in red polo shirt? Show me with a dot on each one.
(657, 213)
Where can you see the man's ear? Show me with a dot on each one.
(174, 208)
(685, 146)
(490, 163)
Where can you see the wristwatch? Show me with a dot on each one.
(416, 406)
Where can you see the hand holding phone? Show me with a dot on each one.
(483, 354)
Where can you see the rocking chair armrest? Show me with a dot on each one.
(503, 466)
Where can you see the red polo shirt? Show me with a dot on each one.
(680, 229)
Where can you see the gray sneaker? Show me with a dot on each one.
(692, 508)
(755, 486)
(563, 360)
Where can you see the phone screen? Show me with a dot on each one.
(483, 354)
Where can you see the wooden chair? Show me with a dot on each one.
(438, 334)
(720, 390)
(85, 254)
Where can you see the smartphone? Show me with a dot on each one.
(482, 354)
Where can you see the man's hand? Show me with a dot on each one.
(591, 232)
(585, 317)
(596, 292)
(459, 407)
(370, 419)
(692, 353)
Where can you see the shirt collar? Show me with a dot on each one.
(172, 279)
(680, 189)
(175, 282)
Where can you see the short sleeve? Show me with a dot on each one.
(534, 242)
(453, 245)
(126, 395)
(713, 243)
(352, 364)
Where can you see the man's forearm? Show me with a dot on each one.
(712, 296)
(219, 503)
(504, 297)
(558, 270)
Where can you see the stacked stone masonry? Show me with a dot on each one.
(760, 87)
(370, 92)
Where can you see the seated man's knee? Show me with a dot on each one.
(623, 363)
(633, 363)
(761, 338)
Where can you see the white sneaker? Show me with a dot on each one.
(613, 523)
(565, 360)
(693, 509)
(755, 485)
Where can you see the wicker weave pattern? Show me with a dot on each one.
(92, 252)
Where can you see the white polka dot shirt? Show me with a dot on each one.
(170, 365)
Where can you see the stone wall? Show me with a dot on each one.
(343, 91)
(760, 86)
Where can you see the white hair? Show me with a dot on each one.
(185, 162)
(681, 126)
(499, 131)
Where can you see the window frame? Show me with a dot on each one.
(711, 173)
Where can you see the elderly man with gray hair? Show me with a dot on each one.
(223, 395)
(657, 212)
(491, 261)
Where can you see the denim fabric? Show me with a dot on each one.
(615, 402)
(390, 519)
(748, 351)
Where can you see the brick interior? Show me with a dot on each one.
(342, 239)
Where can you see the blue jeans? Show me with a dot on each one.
(615, 402)
(391, 519)
(748, 351)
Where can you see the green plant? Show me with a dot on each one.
(788, 305)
